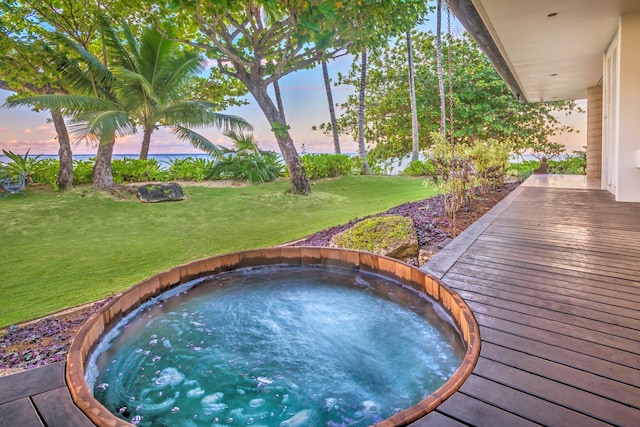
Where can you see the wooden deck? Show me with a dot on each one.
(553, 277)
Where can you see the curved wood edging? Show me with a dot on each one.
(130, 299)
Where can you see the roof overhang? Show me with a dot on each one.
(545, 50)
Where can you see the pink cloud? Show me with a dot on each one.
(28, 131)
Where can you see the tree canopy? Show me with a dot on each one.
(484, 108)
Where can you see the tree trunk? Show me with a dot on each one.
(443, 108)
(65, 174)
(412, 96)
(146, 141)
(362, 150)
(102, 174)
(299, 181)
(276, 90)
(332, 110)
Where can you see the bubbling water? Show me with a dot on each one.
(285, 346)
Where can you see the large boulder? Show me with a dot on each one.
(390, 235)
(154, 193)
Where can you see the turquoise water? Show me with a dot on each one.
(285, 346)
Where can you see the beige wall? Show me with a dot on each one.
(628, 188)
(594, 132)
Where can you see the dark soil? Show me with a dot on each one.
(47, 340)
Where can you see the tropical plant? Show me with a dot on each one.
(46, 172)
(329, 165)
(29, 62)
(419, 168)
(135, 170)
(245, 161)
(83, 171)
(283, 37)
(20, 164)
(483, 106)
(144, 83)
(490, 160)
(98, 116)
(332, 110)
(155, 81)
(189, 169)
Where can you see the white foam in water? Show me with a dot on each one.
(299, 419)
(273, 347)
(169, 377)
(195, 393)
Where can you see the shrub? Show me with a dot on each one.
(490, 160)
(135, 170)
(250, 166)
(245, 161)
(319, 166)
(419, 168)
(575, 164)
(83, 171)
(523, 170)
(46, 172)
(189, 169)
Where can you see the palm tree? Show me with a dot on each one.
(443, 109)
(154, 81)
(246, 161)
(143, 84)
(98, 116)
(412, 96)
(332, 110)
(362, 150)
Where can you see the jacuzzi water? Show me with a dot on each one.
(275, 346)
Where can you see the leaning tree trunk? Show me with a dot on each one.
(443, 108)
(332, 110)
(412, 96)
(146, 141)
(65, 174)
(362, 151)
(102, 174)
(276, 90)
(299, 181)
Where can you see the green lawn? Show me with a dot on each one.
(59, 250)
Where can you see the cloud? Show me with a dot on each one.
(28, 131)
(45, 127)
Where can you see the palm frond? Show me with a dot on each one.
(199, 114)
(155, 51)
(135, 88)
(122, 55)
(71, 105)
(99, 71)
(195, 139)
(179, 75)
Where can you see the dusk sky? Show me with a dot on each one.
(305, 105)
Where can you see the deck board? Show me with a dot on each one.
(553, 280)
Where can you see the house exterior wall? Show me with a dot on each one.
(628, 174)
(594, 132)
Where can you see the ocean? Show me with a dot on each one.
(163, 159)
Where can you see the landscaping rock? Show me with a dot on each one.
(154, 193)
(391, 235)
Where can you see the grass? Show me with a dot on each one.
(59, 250)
